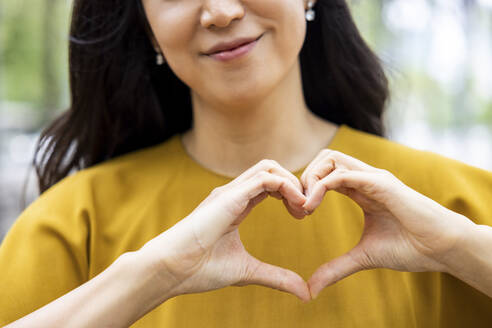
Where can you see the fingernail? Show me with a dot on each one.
(306, 211)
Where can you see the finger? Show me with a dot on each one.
(252, 203)
(365, 182)
(281, 188)
(331, 272)
(308, 169)
(316, 173)
(276, 194)
(347, 161)
(270, 166)
(268, 275)
(297, 212)
(327, 161)
(264, 181)
(233, 204)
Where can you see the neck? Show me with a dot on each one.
(280, 127)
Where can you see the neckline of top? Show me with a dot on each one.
(333, 141)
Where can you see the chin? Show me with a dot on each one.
(244, 97)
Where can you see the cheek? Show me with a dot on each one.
(293, 30)
(175, 31)
(285, 18)
(173, 27)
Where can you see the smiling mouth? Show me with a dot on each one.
(236, 47)
(235, 52)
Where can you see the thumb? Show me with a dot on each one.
(333, 271)
(264, 274)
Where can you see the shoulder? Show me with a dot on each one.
(404, 160)
(105, 185)
(453, 183)
(128, 170)
(380, 151)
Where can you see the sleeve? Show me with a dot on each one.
(45, 253)
(458, 186)
(467, 190)
(462, 188)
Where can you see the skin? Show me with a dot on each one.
(241, 112)
(252, 104)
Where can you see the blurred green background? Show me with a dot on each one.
(33, 58)
(438, 55)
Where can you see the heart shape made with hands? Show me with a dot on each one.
(403, 229)
(219, 238)
(330, 170)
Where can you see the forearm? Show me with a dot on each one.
(117, 297)
(471, 261)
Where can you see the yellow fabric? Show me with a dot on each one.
(82, 224)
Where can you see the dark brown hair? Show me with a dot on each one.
(121, 101)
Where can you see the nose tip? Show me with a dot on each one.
(209, 20)
(221, 13)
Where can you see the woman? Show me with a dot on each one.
(286, 100)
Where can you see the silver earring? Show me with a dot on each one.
(159, 59)
(310, 14)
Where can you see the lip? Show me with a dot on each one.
(228, 46)
(233, 53)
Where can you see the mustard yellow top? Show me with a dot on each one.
(82, 224)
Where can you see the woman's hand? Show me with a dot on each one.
(403, 229)
(203, 251)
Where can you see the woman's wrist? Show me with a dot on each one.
(152, 283)
(471, 259)
(127, 290)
